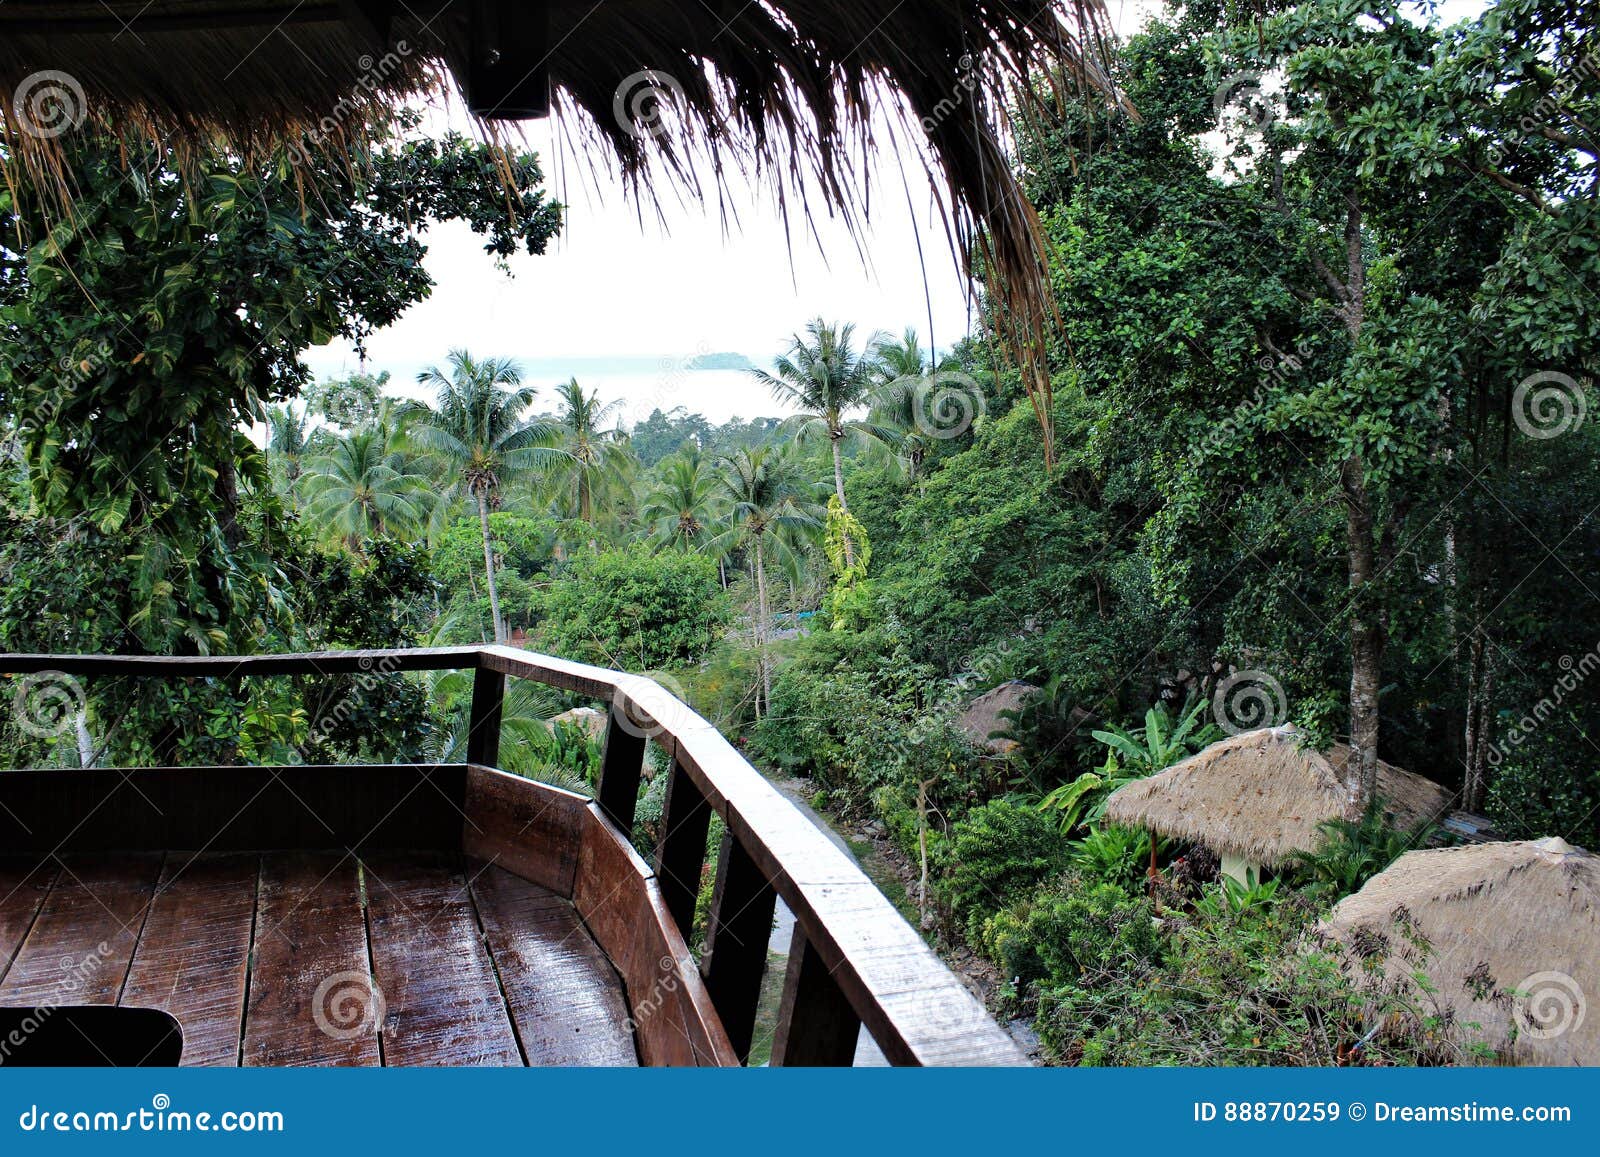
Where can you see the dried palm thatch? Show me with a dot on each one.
(784, 90)
(1508, 935)
(1260, 796)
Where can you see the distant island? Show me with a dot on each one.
(722, 361)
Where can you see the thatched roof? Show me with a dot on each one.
(1512, 934)
(982, 718)
(787, 89)
(1260, 796)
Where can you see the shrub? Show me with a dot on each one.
(998, 855)
(1112, 855)
(1070, 929)
(630, 608)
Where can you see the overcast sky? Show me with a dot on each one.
(612, 286)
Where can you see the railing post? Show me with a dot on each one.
(816, 1025)
(483, 726)
(681, 854)
(621, 766)
(737, 934)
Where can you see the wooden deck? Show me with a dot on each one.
(278, 959)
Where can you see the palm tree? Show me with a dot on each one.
(477, 433)
(770, 507)
(363, 488)
(288, 439)
(826, 378)
(902, 371)
(595, 453)
(683, 504)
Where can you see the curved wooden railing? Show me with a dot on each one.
(854, 962)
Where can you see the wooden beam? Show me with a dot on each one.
(621, 767)
(737, 935)
(508, 66)
(483, 729)
(681, 851)
(816, 1025)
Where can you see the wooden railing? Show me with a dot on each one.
(854, 962)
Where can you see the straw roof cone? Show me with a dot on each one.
(1260, 795)
(1512, 934)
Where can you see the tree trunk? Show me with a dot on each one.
(761, 629)
(838, 485)
(1366, 636)
(488, 569)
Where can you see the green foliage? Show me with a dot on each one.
(1354, 851)
(1071, 929)
(1130, 756)
(997, 855)
(1112, 854)
(633, 609)
(1235, 896)
(849, 552)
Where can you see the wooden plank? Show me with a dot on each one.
(24, 884)
(621, 768)
(232, 809)
(816, 1025)
(78, 949)
(737, 936)
(311, 1001)
(620, 902)
(529, 829)
(681, 856)
(483, 726)
(241, 666)
(438, 983)
(193, 957)
(565, 997)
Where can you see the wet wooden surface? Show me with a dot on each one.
(316, 958)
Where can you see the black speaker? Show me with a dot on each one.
(508, 65)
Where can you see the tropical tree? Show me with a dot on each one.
(477, 433)
(363, 487)
(771, 507)
(595, 459)
(683, 504)
(901, 370)
(826, 378)
(288, 439)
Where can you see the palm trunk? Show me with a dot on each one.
(488, 569)
(838, 485)
(761, 629)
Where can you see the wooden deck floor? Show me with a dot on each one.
(272, 960)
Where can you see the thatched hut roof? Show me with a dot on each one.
(981, 719)
(1512, 935)
(789, 89)
(1260, 796)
